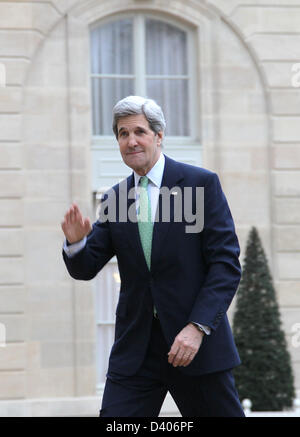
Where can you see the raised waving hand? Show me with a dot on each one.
(75, 226)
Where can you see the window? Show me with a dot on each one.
(145, 56)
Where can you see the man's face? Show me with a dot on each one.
(139, 145)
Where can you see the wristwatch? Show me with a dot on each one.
(198, 327)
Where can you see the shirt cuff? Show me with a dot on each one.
(205, 328)
(72, 249)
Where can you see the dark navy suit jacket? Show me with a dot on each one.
(193, 276)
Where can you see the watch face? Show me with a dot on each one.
(198, 327)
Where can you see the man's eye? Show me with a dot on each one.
(122, 134)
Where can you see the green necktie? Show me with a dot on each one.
(145, 223)
(144, 220)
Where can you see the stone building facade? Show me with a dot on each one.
(247, 113)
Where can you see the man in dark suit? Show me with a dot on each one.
(177, 277)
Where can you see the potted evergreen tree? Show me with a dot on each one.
(265, 375)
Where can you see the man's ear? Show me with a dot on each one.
(160, 136)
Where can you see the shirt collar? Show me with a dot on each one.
(155, 175)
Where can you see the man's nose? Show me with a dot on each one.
(132, 140)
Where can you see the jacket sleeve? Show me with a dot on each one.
(221, 255)
(96, 253)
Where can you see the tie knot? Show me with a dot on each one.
(144, 181)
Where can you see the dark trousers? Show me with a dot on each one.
(142, 395)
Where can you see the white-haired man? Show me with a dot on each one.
(172, 333)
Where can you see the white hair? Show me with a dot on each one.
(135, 105)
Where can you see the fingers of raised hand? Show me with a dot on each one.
(77, 216)
(74, 226)
(73, 215)
(87, 225)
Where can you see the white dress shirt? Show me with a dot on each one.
(155, 176)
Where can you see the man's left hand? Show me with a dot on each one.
(185, 346)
